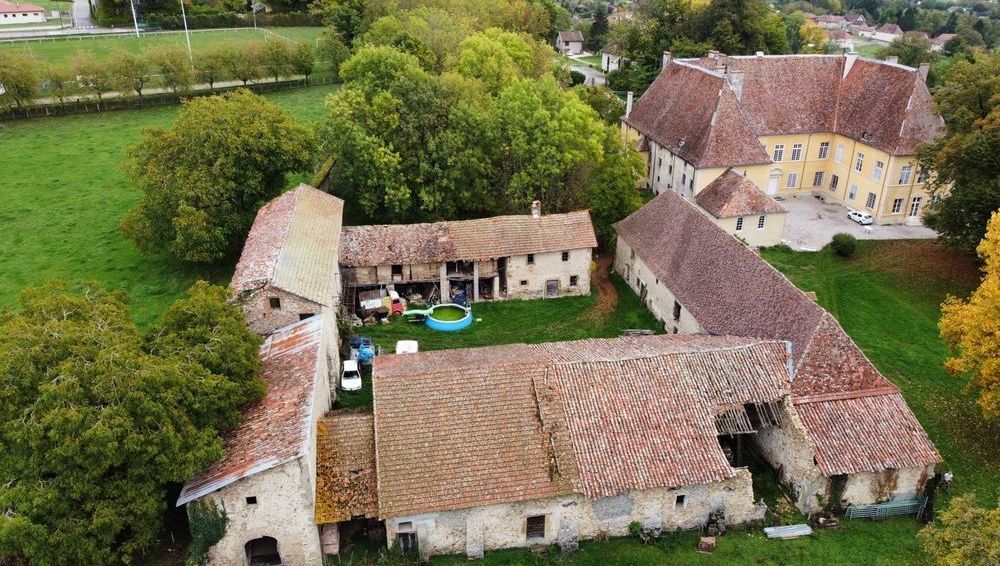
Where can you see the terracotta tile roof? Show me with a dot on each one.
(685, 109)
(831, 19)
(883, 105)
(463, 428)
(843, 430)
(485, 238)
(890, 28)
(345, 467)
(943, 38)
(276, 429)
(9, 8)
(839, 34)
(293, 245)
(732, 194)
(571, 35)
(854, 18)
(730, 290)
(459, 429)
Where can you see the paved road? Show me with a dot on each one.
(81, 15)
(594, 77)
(811, 225)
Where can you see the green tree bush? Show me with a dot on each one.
(844, 245)
(203, 179)
(18, 79)
(97, 422)
(965, 534)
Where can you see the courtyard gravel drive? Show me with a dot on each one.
(812, 223)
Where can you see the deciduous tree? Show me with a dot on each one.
(204, 178)
(174, 67)
(211, 66)
(95, 425)
(972, 328)
(912, 50)
(130, 70)
(18, 80)
(965, 534)
(92, 74)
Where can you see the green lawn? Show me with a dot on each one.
(62, 50)
(888, 299)
(592, 60)
(870, 50)
(64, 195)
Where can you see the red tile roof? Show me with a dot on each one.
(9, 8)
(464, 428)
(293, 245)
(685, 109)
(276, 429)
(883, 105)
(571, 35)
(731, 194)
(890, 28)
(730, 290)
(943, 38)
(345, 467)
(485, 238)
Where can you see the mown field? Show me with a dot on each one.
(62, 50)
(64, 194)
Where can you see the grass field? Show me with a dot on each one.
(65, 194)
(62, 50)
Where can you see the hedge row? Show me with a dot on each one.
(207, 21)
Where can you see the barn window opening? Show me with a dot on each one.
(565, 256)
(531, 259)
(263, 551)
(305, 315)
(573, 280)
(252, 500)
(524, 282)
(679, 502)
(677, 311)
(407, 542)
(397, 270)
(275, 303)
(535, 527)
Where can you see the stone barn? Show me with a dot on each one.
(518, 445)
(504, 257)
(289, 270)
(266, 480)
(851, 434)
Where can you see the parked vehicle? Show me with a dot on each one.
(350, 376)
(407, 347)
(862, 218)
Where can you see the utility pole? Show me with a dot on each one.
(135, 20)
(187, 35)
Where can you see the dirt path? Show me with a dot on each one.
(600, 280)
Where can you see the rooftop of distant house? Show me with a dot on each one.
(570, 36)
(14, 8)
(731, 195)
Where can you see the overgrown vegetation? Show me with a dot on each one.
(207, 523)
(204, 179)
(965, 534)
(98, 421)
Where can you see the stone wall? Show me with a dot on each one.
(527, 281)
(658, 298)
(264, 320)
(573, 518)
(284, 511)
(865, 488)
(788, 450)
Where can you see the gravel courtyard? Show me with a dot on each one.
(812, 223)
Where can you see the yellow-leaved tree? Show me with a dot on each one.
(972, 328)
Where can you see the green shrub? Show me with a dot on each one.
(577, 78)
(208, 525)
(844, 244)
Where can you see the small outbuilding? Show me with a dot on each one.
(741, 208)
(569, 42)
(12, 14)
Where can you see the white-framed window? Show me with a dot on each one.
(793, 180)
(877, 171)
(834, 181)
(824, 150)
(818, 179)
(853, 192)
(859, 162)
(796, 151)
(904, 174)
(870, 203)
(739, 223)
(760, 222)
(915, 206)
(897, 205)
(839, 156)
(779, 152)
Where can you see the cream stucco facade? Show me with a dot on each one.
(572, 518)
(890, 188)
(758, 230)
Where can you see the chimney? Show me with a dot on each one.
(735, 80)
(849, 60)
(892, 59)
(536, 209)
(667, 57)
(628, 103)
(923, 70)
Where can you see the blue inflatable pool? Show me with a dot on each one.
(449, 317)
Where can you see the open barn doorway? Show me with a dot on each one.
(263, 551)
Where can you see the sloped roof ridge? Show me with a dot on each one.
(690, 350)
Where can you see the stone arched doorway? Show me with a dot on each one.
(263, 551)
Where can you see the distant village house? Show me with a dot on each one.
(12, 13)
(569, 42)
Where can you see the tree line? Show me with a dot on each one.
(134, 73)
